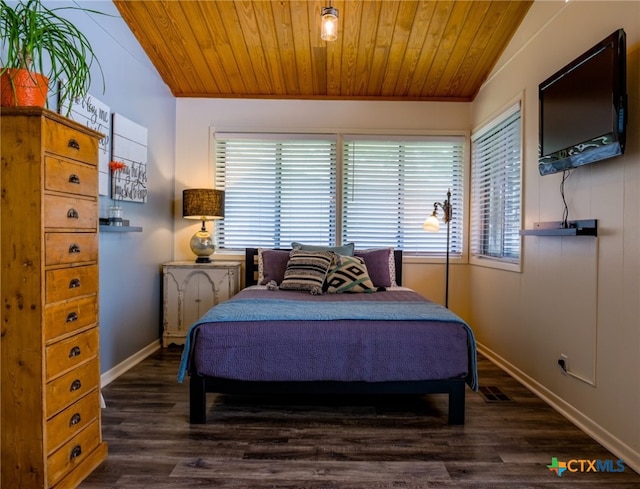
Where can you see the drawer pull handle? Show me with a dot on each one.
(74, 144)
(74, 248)
(72, 214)
(72, 316)
(75, 283)
(74, 352)
(76, 452)
(75, 385)
(75, 179)
(75, 419)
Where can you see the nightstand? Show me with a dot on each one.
(190, 290)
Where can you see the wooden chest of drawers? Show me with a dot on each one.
(50, 410)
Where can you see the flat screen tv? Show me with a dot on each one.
(583, 108)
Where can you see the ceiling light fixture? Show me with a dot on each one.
(329, 29)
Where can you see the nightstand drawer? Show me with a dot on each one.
(72, 386)
(70, 177)
(68, 353)
(68, 283)
(66, 317)
(72, 420)
(65, 141)
(67, 248)
(70, 212)
(72, 453)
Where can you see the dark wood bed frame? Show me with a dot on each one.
(199, 385)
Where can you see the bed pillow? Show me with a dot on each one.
(348, 274)
(380, 264)
(271, 265)
(307, 270)
(345, 249)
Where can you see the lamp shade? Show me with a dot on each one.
(204, 204)
(431, 225)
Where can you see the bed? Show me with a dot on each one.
(267, 340)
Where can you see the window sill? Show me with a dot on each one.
(487, 262)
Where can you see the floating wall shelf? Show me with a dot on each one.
(587, 227)
(120, 229)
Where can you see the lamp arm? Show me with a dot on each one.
(447, 208)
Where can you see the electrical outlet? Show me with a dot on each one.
(563, 363)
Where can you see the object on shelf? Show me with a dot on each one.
(104, 221)
(115, 215)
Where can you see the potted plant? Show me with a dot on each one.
(32, 37)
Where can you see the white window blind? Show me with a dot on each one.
(278, 189)
(496, 188)
(389, 186)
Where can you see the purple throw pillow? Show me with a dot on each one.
(378, 263)
(274, 264)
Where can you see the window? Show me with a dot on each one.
(278, 189)
(389, 187)
(376, 191)
(496, 189)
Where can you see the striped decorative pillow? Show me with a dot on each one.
(306, 270)
(349, 274)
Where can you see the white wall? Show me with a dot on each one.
(576, 295)
(130, 281)
(197, 117)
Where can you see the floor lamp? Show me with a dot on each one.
(432, 225)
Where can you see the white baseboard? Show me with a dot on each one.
(620, 449)
(115, 372)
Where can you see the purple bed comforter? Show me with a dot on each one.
(367, 350)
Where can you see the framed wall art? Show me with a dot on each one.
(129, 146)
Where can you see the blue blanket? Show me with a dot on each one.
(288, 310)
(253, 309)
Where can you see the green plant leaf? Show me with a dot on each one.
(33, 35)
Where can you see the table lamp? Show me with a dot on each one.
(206, 205)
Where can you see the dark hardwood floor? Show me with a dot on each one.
(330, 443)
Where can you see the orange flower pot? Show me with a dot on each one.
(23, 88)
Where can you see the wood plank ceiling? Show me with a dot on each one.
(386, 49)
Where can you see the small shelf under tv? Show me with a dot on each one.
(586, 227)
